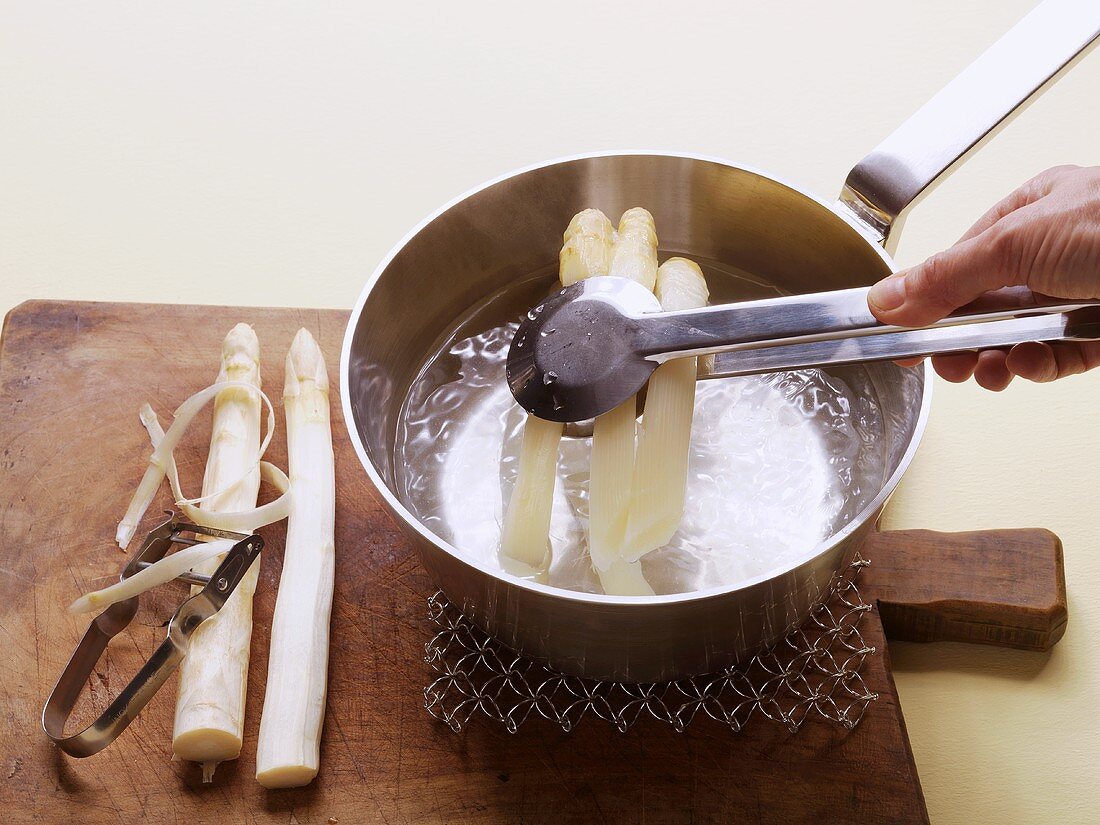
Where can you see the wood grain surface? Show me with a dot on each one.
(72, 376)
(998, 587)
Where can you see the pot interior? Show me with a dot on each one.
(780, 463)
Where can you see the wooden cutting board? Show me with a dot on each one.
(72, 376)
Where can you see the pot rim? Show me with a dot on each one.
(398, 508)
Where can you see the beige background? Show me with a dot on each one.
(270, 153)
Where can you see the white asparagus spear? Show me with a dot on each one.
(586, 247)
(209, 725)
(162, 463)
(610, 471)
(525, 537)
(525, 534)
(634, 256)
(288, 755)
(624, 578)
(661, 463)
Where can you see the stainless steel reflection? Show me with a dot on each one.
(585, 350)
(509, 228)
(1075, 325)
(972, 107)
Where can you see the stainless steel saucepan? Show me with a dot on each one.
(718, 214)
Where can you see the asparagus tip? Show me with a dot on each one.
(305, 362)
(241, 340)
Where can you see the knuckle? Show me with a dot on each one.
(933, 281)
(1003, 250)
(1057, 174)
(1062, 169)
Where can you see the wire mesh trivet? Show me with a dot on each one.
(815, 670)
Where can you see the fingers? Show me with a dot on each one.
(1048, 362)
(992, 371)
(995, 369)
(1018, 198)
(922, 295)
(1036, 188)
(1033, 361)
(1024, 236)
(956, 367)
(931, 290)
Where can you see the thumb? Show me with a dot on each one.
(934, 289)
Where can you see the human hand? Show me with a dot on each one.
(1045, 236)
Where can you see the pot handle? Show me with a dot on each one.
(993, 587)
(970, 108)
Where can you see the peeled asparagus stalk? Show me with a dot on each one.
(634, 256)
(294, 704)
(661, 464)
(610, 471)
(525, 534)
(162, 463)
(209, 725)
(236, 521)
(525, 538)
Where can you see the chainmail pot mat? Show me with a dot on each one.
(813, 672)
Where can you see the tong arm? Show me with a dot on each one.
(824, 316)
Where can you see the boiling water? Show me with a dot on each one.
(778, 462)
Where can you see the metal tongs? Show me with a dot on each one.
(590, 347)
(216, 589)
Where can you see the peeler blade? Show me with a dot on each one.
(116, 618)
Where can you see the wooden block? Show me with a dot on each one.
(998, 587)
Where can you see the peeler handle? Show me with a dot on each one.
(133, 698)
(121, 712)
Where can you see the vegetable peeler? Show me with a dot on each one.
(590, 347)
(216, 589)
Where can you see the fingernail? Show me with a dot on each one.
(889, 294)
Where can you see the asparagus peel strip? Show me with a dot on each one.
(239, 521)
(160, 572)
(288, 754)
(162, 463)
